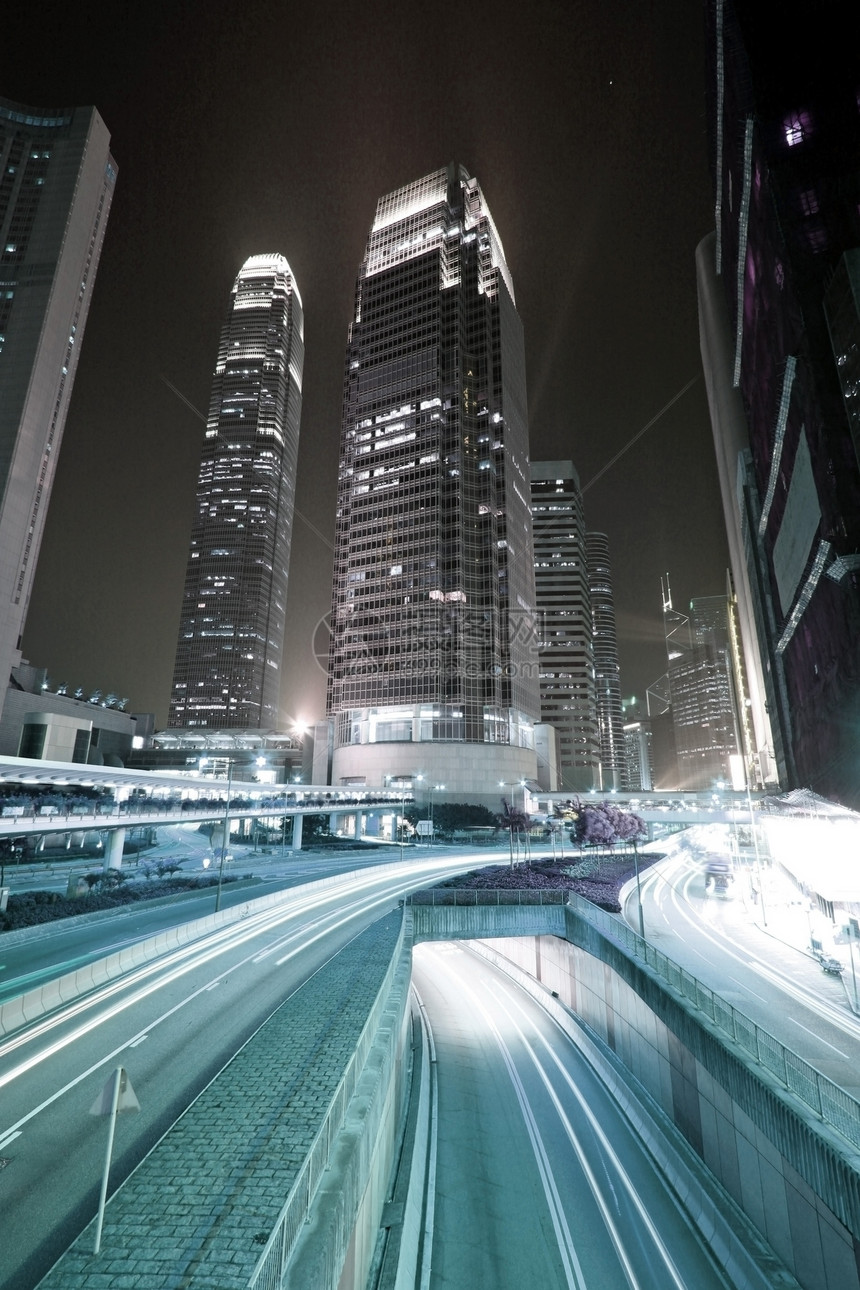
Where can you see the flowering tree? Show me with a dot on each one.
(604, 824)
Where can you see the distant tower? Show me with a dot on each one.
(567, 688)
(610, 717)
(700, 680)
(56, 185)
(228, 657)
(433, 668)
(638, 769)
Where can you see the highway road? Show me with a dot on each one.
(538, 1180)
(67, 944)
(173, 1025)
(775, 984)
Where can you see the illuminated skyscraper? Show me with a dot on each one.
(231, 635)
(568, 699)
(433, 669)
(610, 716)
(56, 184)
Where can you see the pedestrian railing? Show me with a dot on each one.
(827, 1100)
(487, 896)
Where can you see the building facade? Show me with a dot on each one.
(638, 758)
(432, 667)
(57, 180)
(227, 673)
(702, 691)
(779, 327)
(610, 716)
(568, 698)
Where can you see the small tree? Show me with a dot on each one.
(517, 824)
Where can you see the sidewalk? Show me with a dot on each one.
(779, 910)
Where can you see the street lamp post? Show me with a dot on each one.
(755, 849)
(638, 890)
(513, 784)
(433, 788)
(225, 835)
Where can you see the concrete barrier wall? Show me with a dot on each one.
(339, 1238)
(798, 1183)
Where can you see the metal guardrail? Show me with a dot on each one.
(269, 1269)
(827, 1100)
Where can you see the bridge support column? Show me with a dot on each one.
(113, 854)
(296, 844)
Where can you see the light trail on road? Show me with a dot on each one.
(173, 1023)
(588, 1207)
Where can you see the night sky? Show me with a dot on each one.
(259, 127)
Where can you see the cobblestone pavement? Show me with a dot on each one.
(200, 1207)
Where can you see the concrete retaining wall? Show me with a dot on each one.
(797, 1182)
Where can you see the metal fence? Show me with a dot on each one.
(269, 1270)
(830, 1102)
(487, 896)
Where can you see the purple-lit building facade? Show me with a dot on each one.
(778, 291)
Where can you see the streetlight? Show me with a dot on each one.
(513, 784)
(740, 772)
(433, 788)
(225, 834)
(638, 889)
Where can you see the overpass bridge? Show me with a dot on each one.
(39, 798)
(670, 808)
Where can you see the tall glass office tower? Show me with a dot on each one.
(56, 185)
(231, 636)
(610, 716)
(568, 697)
(433, 668)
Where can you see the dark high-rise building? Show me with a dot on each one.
(610, 717)
(56, 185)
(231, 635)
(433, 668)
(780, 335)
(568, 700)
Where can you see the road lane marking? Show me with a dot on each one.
(819, 1039)
(608, 1150)
(9, 1137)
(555, 1207)
(746, 989)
